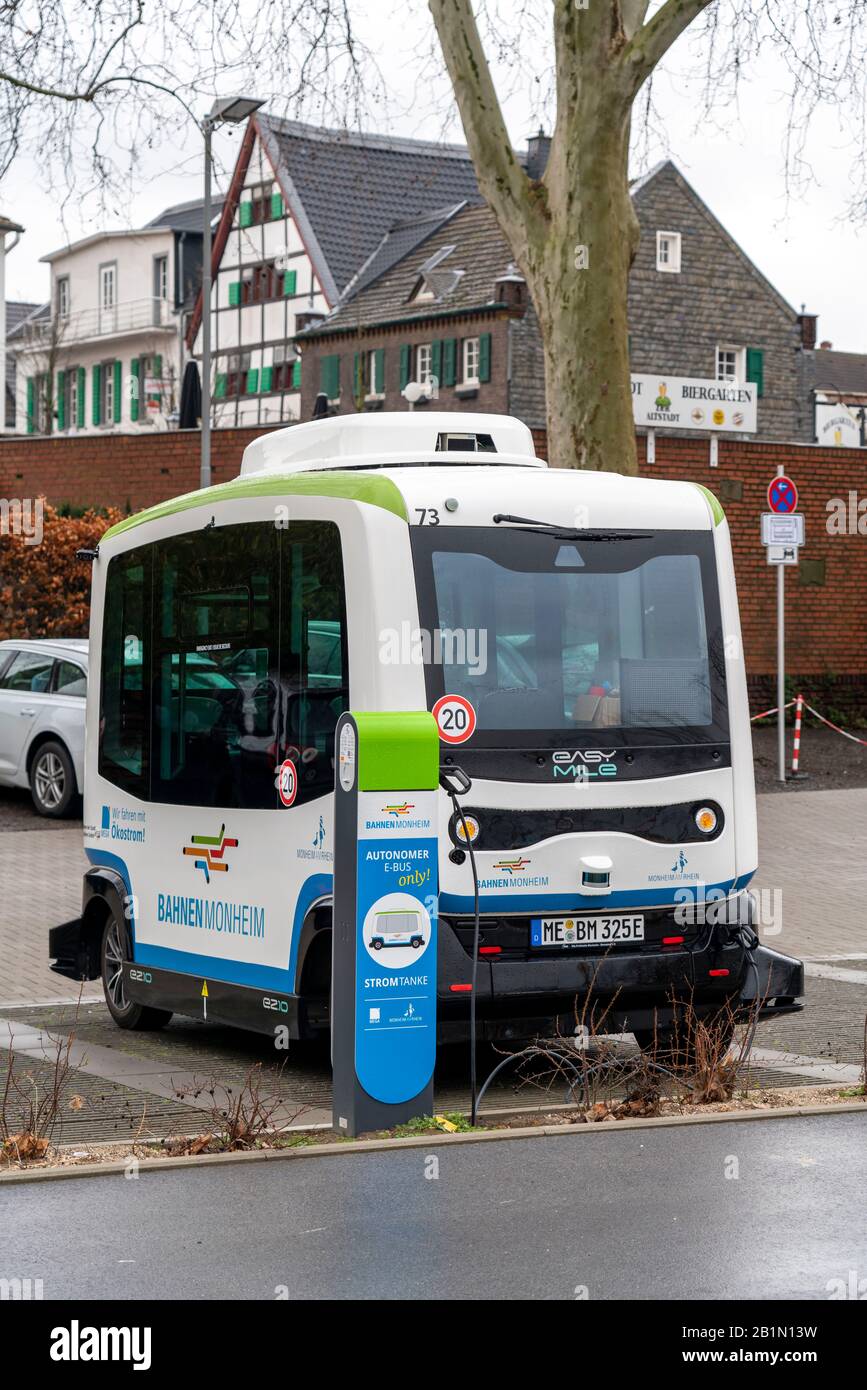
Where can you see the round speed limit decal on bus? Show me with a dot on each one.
(287, 782)
(455, 718)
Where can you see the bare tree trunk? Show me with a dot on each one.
(578, 278)
(573, 233)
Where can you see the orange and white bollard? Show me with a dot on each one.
(796, 749)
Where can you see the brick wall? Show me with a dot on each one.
(129, 471)
(826, 597)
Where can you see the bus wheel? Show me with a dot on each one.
(125, 1012)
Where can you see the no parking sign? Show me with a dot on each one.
(782, 495)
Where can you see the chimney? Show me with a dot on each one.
(510, 289)
(807, 324)
(826, 344)
(538, 149)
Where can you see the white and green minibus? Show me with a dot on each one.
(576, 635)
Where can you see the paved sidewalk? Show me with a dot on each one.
(40, 886)
(811, 846)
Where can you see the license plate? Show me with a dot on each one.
(585, 931)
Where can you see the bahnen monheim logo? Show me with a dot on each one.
(208, 852)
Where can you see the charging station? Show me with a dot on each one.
(384, 970)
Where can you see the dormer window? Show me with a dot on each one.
(668, 246)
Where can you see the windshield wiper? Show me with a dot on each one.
(569, 533)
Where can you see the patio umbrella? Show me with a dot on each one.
(191, 398)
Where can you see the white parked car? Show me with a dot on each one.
(43, 685)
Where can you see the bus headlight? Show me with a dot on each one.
(706, 820)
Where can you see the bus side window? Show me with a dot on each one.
(123, 723)
(315, 679)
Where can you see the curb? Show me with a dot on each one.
(426, 1141)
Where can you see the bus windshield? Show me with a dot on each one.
(545, 634)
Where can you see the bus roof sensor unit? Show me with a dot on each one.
(388, 441)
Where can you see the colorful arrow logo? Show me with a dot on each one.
(208, 852)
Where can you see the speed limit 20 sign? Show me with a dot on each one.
(287, 782)
(455, 717)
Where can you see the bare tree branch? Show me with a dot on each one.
(649, 45)
(502, 181)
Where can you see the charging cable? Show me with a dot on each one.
(456, 782)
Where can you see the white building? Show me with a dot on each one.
(307, 210)
(108, 353)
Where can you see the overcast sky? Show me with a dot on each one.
(806, 249)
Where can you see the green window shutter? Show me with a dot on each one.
(450, 361)
(290, 280)
(276, 204)
(61, 400)
(756, 369)
(97, 394)
(220, 386)
(134, 396)
(485, 357)
(267, 378)
(436, 360)
(158, 365)
(246, 211)
(234, 293)
(357, 375)
(296, 374)
(118, 387)
(31, 405)
(379, 371)
(82, 391)
(330, 376)
(405, 364)
(253, 381)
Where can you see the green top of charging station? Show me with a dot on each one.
(397, 751)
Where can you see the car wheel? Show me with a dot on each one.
(377, 945)
(125, 1012)
(52, 780)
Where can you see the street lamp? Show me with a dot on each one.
(225, 110)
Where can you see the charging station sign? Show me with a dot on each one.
(384, 970)
(396, 923)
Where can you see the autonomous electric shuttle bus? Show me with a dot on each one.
(576, 635)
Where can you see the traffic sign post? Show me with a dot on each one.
(384, 939)
(783, 536)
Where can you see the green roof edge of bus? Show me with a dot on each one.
(398, 750)
(713, 502)
(356, 487)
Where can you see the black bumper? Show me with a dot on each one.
(635, 989)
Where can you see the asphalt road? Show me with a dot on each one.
(630, 1214)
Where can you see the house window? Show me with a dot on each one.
(44, 402)
(424, 363)
(260, 283)
(730, 362)
(668, 252)
(470, 372)
(238, 364)
(283, 369)
(107, 297)
(374, 374)
(259, 197)
(63, 297)
(108, 390)
(71, 388)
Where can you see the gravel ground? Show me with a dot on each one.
(829, 760)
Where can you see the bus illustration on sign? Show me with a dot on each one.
(392, 929)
